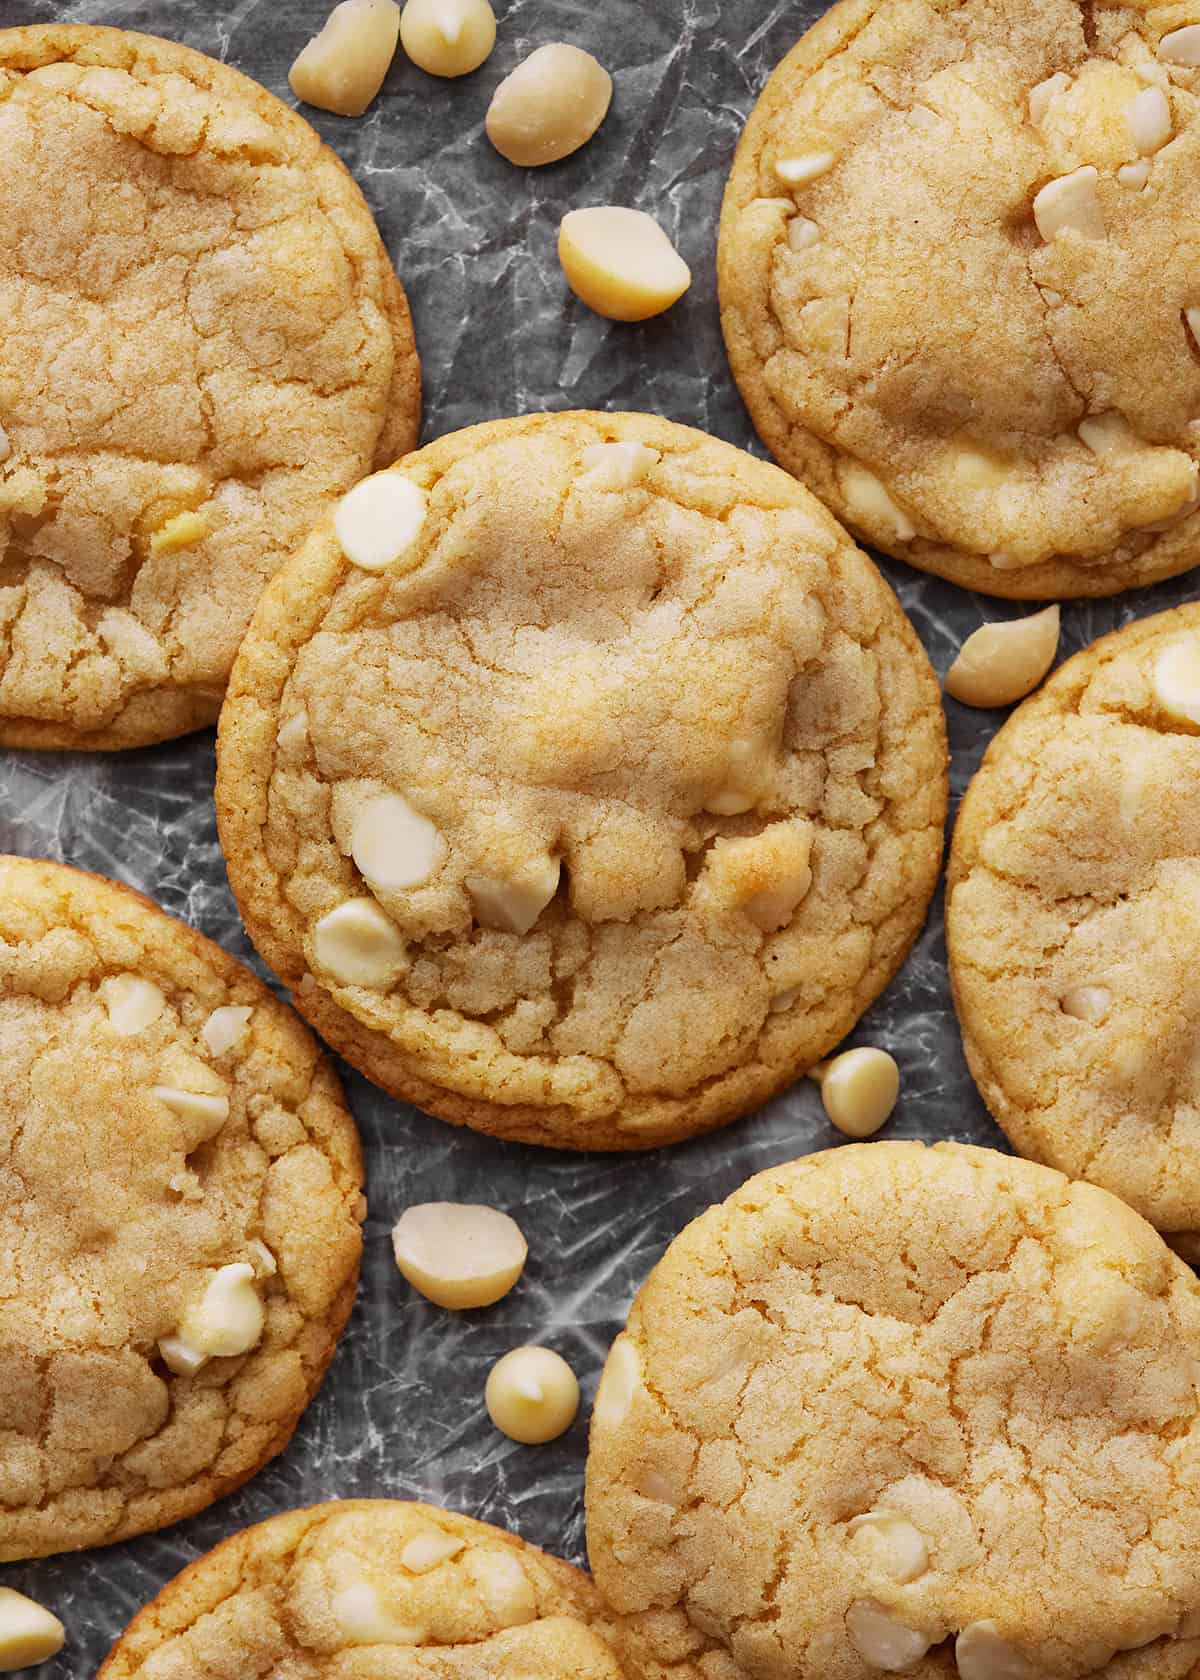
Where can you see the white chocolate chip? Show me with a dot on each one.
(1106, 434)
(197, 1107)
(226, 1027)
(5, 446)
(859, 1089)
(342, 68)
(394, 846)
(364, 1621)
(896, 1544)
(359, 946)
(870, 504)
(514, 906)
(549, 106)
(620, 262)
(795, 171)
(1192, 318)
(28, 1633)
(264, 1262)
(617, 466)
(882, 1639)
(619, 1382)
(378, 523)
(1002, 662)
(1086, 1003)
(1041, 96)
(180, 1357)
(1175, 679)
(228, 1319)
(532, 1395)
(132, 1004)
(425, 1551)
(448, 37)
(802, 234)
(1181, 46)
(459, 1254)
(1070, 203)
(1134, 175)
(981, 1654)
(1149, 117)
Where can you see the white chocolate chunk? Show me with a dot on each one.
(1041, 96)
(379, 522)
(29, 1634)
(549, 106)
(293, 732)
(802, 234)
(359, 946)
(976, 470)
(133, 1004)
(859, 1089)
(5, 445)
(882, 1639)
(394, 846)
(1086, 1003)
(870, 504)
(459, 1254)
(795, 171)
(425, 1551)
(448, 37)
(1192, 318)
(364, 1621)
(1106, 434)
(264, 1262)
(342, 68)
(981, 1654)
(183, 531)
(1175, 679)
(1134, 175)
(620, 262)
(1149, 117)
(228, 1319)
(896, 1544)
(1181, 46)
(514, 906)
(619, 1382)
(617, 466)
(1002, 662)
(1070, 203)
(532, 1395)
(226, 1027)
(181, 1357)
(197, 1107)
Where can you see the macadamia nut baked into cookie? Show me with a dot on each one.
(372, 1589)
(203, 342)
(582, 780)
(958, 291)
(897, 1408)
(1073, 918)
(179, 1231)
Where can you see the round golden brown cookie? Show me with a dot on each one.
(372, 1589)
(181, 1201)
(897, 1408)
(608, 806)
(203, 341)
(1073, 921)
(956, 289)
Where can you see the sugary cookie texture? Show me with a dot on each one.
(957, 290)
(582, 779)
(179, 1215)
(372, 1590)
(203, 342)
(898, 1409)
(1073, 916)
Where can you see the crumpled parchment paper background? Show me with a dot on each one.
(401, 1412)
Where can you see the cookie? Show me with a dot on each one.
(607, 805)
(1072, 920)
(180, 1202)
(372, 1588)
(203, 342)
(897, 1408)
(956, 291)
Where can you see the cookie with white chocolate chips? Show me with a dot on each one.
(957, 292)
(204, 341)
(905, 1409)
(1073, 917)
(180, 1221)
(374, 1589)
(582, 779)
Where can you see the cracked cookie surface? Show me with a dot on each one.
(372, 1590)
(958, 290)
(204, 341)
(163, 1116)
(1072, 920)
(656, 760)
(938, 1403)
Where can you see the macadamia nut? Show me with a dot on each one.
(532, 1395)
(859, 1089)
(342, 69)
(1000, 663)
(459, 1254)
(620, 262)
(551, 104)
(28, 1634)
(448, 37)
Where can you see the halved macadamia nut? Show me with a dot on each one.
(1000, 663)
(620, 262)
(459, 1254)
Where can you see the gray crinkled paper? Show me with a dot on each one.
(401, 1412)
